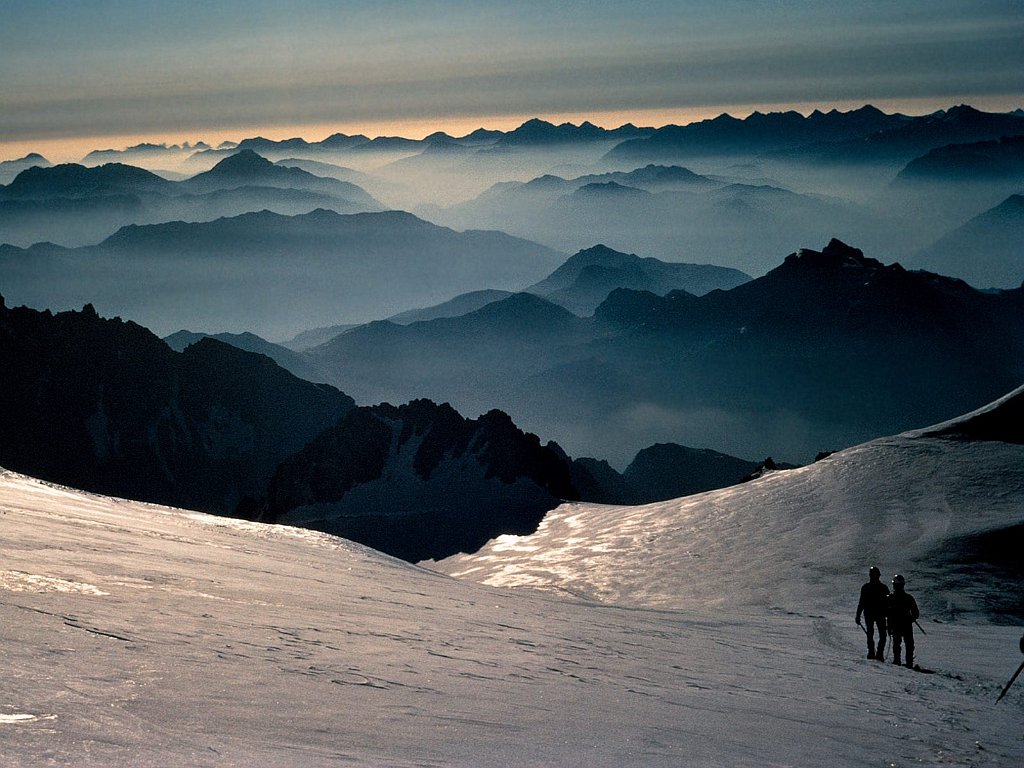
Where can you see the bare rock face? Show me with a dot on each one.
(420, 481)
(105, 405)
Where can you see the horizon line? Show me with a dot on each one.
(71, 149)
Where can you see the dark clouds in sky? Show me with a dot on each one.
(96, 68)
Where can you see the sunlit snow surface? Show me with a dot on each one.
(795, 540)
(137, 635)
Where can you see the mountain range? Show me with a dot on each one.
(420, 481)
(828, 349)
(865, 135)
(939, 504)
(713, 630)
(668, 212)
(987, 251)
(270, 274)
(77, 205)
(219, 427)
(9, 169)
(108, 407)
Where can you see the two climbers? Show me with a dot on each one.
(894, 612)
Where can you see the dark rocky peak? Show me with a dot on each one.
(599, 254)
(665, 174)
(547, 181)
(72, 180)
(105, 405)
(338, 141)
(506, 480)
(31, 157)
(609, 189)
(536, 131)
(260, 144)
(835, 255)
(961, 113)
(509, 454)
(245, 161)
(668, 471)
(525, 312)
(482, 135)
(627, 307)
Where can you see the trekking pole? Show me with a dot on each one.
(1015, 674)
(920, 627)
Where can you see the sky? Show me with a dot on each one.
(110, 73)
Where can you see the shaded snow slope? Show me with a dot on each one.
(144, 636)
(939, 510)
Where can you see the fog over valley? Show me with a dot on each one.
(486, 384)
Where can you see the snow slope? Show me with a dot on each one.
(797, 540)
(139, 635)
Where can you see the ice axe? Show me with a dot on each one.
(1015, 674)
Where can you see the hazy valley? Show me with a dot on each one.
(662, 393)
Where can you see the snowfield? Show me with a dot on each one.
(715, 630)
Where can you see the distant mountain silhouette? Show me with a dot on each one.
(948, 186)
(586, 279)
(76, 205)
(420, 481)
(677, 215)
(456, 307)
(866, 135)
(272, 274)
(9, 169)
(314, 337)
(73, 180)
(987, 251)
(982, 161)
(758, 133)
(899, 144)
(106, 406)
(668, 471)
(288, 359)
(248, 169)
(146, 152)
(463, 359)
(655, 178)
(325, 170)
(830, 348)
(537, 132)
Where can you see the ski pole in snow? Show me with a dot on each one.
(1015, 674)
(920, 627)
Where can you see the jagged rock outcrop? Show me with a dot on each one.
(420, 481)
(105, 405)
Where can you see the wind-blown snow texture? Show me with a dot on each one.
(141, 635)
(915, 503)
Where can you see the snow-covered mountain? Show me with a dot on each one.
(141, 635)
(944, 506)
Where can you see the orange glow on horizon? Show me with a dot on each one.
(73, 149)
